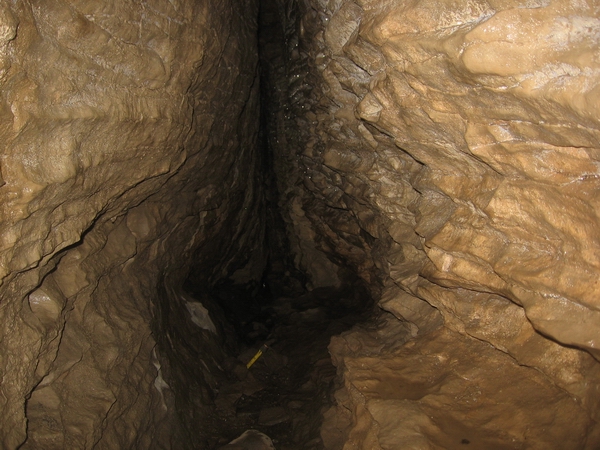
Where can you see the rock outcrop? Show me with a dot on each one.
(447, 152)
(129, 155)
(444, 153)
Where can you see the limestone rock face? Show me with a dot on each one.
(121, 123)
(448, 152)
(445, 152)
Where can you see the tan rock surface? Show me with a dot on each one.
(445, 152)
(447, 392)
(451, 150)
(121, 122)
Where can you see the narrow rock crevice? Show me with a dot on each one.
(396, 202)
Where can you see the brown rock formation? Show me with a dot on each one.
(448, 151)
(444, 152)
(129, 153)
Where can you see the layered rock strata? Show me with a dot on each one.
(129, 154)
(447, 152)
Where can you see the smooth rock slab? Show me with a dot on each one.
(443, 390)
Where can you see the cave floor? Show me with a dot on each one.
(284, 393)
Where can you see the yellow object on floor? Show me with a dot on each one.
(258, 355)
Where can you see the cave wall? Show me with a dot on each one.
(447, 153)
(128, 135)
(444, 152)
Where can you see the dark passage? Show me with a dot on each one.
(286, 388)
(285, 391)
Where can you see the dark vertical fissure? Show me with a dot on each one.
(285, 392)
